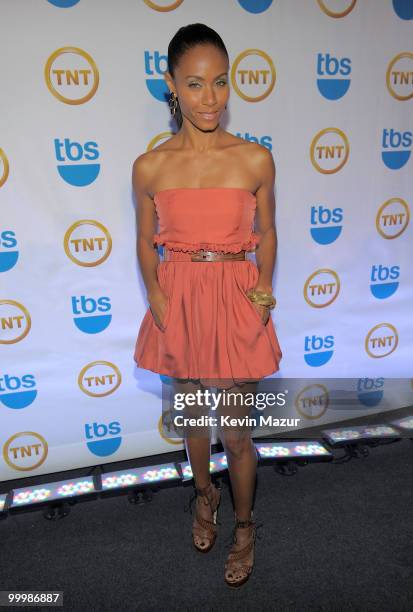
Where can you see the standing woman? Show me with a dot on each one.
(208, 321)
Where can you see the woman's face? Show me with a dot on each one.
(202, 85)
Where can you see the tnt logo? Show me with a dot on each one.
(381, 340)
(4, 168)
(403, 8)
(321, 288)
(88, 313)
(399, 76)
(15, 322)
(25, 451)
(69, 153)
(253, 75)
(161, 137)
(318, 350)
(392, 218)
(312, 401)
(255, 6)
(87, 243)
(396, 148)
(329, 150)
(8, 252)
(384, 281)
(103, 439)
(370, 391)
(265, 141)
(17, 392)
(71, 75)
(163, 5)
(336, 8)
(99, 378)
(330, 76)
(326, 224)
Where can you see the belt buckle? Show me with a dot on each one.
(202, 256)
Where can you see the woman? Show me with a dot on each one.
(203, 326)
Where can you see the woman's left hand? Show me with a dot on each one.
(263, 311)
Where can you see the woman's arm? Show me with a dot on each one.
(266, 251)
(265, 224)
(146, 221)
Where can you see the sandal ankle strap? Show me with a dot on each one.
(203, 491)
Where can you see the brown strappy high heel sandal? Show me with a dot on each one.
(237, 570)
(204, 532)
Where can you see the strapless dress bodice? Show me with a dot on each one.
(213, 219)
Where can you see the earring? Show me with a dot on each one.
(173, 103)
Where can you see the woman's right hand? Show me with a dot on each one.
(158, 303)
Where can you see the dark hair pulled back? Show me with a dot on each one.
(186, 38)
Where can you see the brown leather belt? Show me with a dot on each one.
(202, 256)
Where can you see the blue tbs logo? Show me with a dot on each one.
(69, 153)
(333, 80)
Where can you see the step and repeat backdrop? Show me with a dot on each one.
(326, 85)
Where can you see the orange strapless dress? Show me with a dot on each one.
(212, 330)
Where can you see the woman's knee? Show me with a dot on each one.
(236, 445)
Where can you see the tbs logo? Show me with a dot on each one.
(403, 8)
(102, 439)
(63, 3)
(326, 224)
(384, 281)
(155, 65)
(265, 141)
(330, 73)
(17, 392)
(85, 318)
(255, 6)
(69, 154)
(370, 391)
(317, 350)
(396, 148)
(8, 253)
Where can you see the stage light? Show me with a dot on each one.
(349, 435)
(52, 491)
(3, 498)
(406, 423)
(218, 462)
(292, 450)
(143, 476)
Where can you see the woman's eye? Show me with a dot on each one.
(221, 82)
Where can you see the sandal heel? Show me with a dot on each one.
(235, 563)
(205, 530)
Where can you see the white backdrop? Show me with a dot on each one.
(327, 88)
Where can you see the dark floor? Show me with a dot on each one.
(335, 537)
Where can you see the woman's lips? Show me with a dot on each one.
(209, 116)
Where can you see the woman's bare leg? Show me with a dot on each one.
(198, 449)
(240, 451)
(197, 440)
(242, 466)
